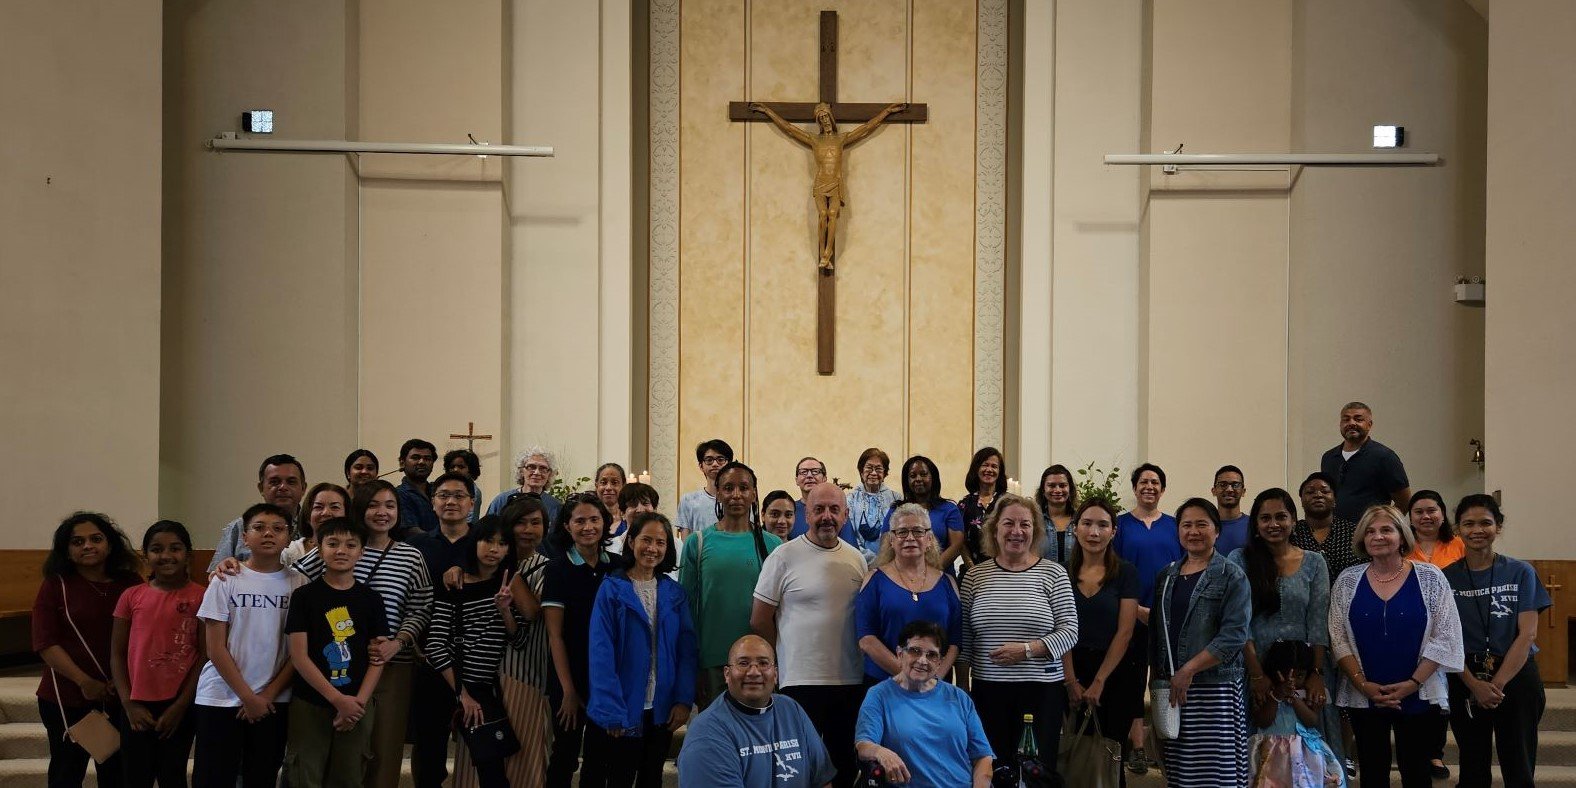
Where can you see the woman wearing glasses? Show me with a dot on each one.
(907, 585)
(869, 502)
(1019, 618)
(922, 485)
(534, 469)
(919, 729)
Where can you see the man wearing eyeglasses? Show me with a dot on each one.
(1366, 472)
(804, 605)
(1228, 491)
(756, 738)
(808, 475)
(432, 702)
(698, 508)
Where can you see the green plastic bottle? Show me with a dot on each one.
(1027, 747)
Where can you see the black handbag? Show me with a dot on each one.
(494, 739)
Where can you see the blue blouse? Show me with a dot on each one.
(1389, 635)
(1150, 549)
(884, 607)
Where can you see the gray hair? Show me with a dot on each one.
(908, 511)
(534, 450)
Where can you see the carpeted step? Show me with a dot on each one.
(18, 701)
(23, 740)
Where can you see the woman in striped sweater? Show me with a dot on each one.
(1019, 618)
(471, 629)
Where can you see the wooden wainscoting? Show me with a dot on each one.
(1554, 627)
(21, 571)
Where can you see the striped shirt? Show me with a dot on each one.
(527, 657)
(399, 575)
(468, 633)
(1003, 607)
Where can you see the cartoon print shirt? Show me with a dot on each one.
(162, 644)
(339, 625)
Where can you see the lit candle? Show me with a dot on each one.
(645, 477)
(632, 479)
(1013, 487)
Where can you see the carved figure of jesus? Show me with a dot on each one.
(827, 146)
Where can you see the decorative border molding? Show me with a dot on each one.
(663, 398)
(990, 220)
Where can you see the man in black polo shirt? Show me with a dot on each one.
(1366, 472)
(432, 702)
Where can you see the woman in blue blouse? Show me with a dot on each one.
(869, 502)
(922, 485)
(907, 585)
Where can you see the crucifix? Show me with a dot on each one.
(470, 437)
(827, 146)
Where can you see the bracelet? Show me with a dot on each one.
(1028, 649)
(1415, 681)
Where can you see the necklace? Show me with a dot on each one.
(1391, 578)
(1484, 614)
(913, 594)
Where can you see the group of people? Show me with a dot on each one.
(817, 639)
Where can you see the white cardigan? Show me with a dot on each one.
(1441, 637)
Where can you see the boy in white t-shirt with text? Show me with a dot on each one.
(244, 689)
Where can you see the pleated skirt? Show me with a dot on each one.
(531, 717)
(1211, 750)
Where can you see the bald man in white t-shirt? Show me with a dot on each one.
(804, 605)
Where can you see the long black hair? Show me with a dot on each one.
(1262, 571)
(121, 563)
(1447, 531)
(489, 528)
(362, 498)
(1072, 490)
(971, 480)
(755, 508)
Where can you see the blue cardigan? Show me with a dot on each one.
(621, 652)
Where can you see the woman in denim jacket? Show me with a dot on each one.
(1198, 626)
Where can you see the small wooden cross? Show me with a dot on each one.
(804, 112)
(470, 437)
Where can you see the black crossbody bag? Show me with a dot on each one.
(494, 739)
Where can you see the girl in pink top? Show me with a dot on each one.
(155, 655)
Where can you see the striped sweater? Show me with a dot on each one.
(1002, 607)
(468, 634)
(400, 578)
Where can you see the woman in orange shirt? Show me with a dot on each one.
(1436, 544)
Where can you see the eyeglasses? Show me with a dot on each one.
(810, 472)
(452, 496)
(916, 652)
(910, 533)
(714, 461)
(534, 468)
(873, 468)
(1229, 485)
(745, 663)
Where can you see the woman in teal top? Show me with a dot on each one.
(720, 566)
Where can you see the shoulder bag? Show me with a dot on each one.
(94, 732)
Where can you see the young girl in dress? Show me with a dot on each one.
(1288, 751)
(155, 657)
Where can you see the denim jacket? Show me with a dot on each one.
(1217, 621)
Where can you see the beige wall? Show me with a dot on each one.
(905, 254)
(1375, 253)
(79, 263)
(1530, 370)
(260, 259)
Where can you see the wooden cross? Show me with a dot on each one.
(804, 112)
(470, 437)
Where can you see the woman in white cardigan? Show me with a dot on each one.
(1395, 632)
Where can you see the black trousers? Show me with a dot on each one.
(636, 761)
(146, 759)
(834, 711)
(68, 763)
(432, 705)
(1414, 745)
(574, 749)
(230, 749)
(1511, 729)
(1001, 706)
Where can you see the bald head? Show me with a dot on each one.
(826, 510)
(751, 672)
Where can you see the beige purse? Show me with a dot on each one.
(94, 732)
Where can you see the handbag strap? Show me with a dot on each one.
(1165, 631)
(54, 680)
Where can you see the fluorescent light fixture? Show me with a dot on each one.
(258, 121)
(1389, 136)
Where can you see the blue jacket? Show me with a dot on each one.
(621, 654)
(1217, 620)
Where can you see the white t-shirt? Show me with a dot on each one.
(814, 589)
(254, 604)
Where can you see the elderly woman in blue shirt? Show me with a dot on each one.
(923, 732)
